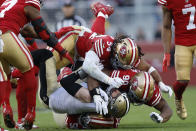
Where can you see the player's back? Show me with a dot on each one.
(12, 14)
(183, 12)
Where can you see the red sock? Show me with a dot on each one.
(99, 25)
(21, 100)
(179, 88)
(8, 90)
(29, 82)
(3, 86)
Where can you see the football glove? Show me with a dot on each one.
(115, 82)
(156, 117)
(166, 89)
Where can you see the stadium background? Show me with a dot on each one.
(141, 19)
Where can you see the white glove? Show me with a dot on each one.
(100, 66)
(115, 82)
(166, 89)
(156, 117)
(101, 105)
(104, 95)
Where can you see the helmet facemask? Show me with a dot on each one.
(118, 105)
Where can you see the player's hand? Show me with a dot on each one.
(63, 31)
(63, 52)
(101, 105)
(115, 82)
(166, 61)
(166, 89)
(156, 117)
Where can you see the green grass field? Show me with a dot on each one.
(137, 120)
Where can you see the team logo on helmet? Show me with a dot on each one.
(134, 85)
(123, 51)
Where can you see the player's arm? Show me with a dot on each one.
(166, 36)
(165, 112)
(28, 31)
(144, 66)
(43, 32)
(93, 68)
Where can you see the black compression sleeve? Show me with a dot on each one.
(68, 83)
(44, 33)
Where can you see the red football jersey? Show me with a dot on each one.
(12, 15)
(184, 16)
(126, 76)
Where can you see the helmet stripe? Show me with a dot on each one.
(146, 86)
(133, 51)
(127, 103)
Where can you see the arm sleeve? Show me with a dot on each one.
(34, 3)
(90, 66)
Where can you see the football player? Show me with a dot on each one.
(182, 12)
(143, 90)
(14, 14)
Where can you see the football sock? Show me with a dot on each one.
(179, 88)
(28, 81)
(99, 25)
(8, 90)
(21, 100)
(3, 86)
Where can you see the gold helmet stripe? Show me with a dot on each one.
(147, 85)
(133, 51)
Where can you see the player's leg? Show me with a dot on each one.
(17, 54)
(62, 102)
(101, 12)
(183, 65)
(5, 89)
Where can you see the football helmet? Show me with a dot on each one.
(141, 88)
(119, 106)
(125, 54)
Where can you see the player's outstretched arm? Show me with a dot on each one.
(144, 66)
(166, 36)
(43, 32)
(165, 112)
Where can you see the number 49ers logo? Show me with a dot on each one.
(123, 51)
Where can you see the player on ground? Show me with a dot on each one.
(14, 14)
(182, 12)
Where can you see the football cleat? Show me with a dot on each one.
(28, 122)
(20, 125)
(99, 7)
(8, 116)
(181, 109)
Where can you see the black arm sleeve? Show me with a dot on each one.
(44, 33)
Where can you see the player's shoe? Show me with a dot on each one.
(1, 129)
(99, 7)
(28, 121)
(20, 125)
(8, 116)
(181, 109)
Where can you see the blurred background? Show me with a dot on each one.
(140, 19)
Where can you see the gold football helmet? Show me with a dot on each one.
(125, 54)
(119, 105)
(142, 88)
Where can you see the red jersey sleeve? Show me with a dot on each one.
(156, 97)
(102, 46)
(164, 3)
(34, 3)
(125, 75)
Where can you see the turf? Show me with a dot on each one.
(137, 120)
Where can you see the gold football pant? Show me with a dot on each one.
(184, 60)
(57, 62)
(15, 53)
